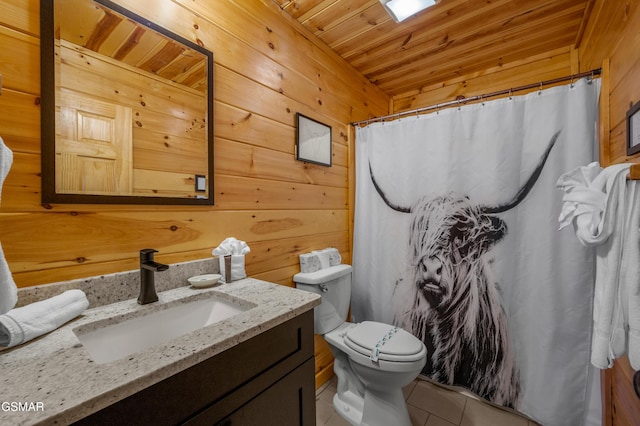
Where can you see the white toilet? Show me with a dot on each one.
(372, 360)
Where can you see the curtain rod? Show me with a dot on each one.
(591, 74)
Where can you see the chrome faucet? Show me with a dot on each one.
(147, 278)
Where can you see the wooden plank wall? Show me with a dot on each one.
(168, 149)
(547, 66)
(267, 68)
(612, 39)
(609, 40)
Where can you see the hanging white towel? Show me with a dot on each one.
(28, 322)
(8, 289)
(604, 209)
(6, 159)
(630, 275)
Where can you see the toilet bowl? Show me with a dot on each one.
(373, 361)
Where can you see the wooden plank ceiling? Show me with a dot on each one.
(93, 26)
(451, 39)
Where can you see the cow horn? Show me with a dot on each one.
(384, 197)
(522, 193)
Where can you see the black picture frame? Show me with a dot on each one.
(313, 141)
(49, 32)
(633, 129)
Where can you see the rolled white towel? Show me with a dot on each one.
(334, 256)
(319, 259)
(324, 257)
(237, 267)
(309, 262)
(28, 322)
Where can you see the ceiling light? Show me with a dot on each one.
(402, 9)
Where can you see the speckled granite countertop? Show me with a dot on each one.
(55, 373)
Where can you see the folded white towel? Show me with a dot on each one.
(231, 246)
(236, 249)
(28, 322)
(324, 257)
(319, 259)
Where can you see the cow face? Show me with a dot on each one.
(449, 236)
(447, 240)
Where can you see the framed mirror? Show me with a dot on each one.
(127, 109)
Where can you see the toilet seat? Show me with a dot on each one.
(380, 341)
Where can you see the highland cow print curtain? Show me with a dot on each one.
(456, 240)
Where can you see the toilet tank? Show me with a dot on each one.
(334, 285)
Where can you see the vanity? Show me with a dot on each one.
(253, 367)
(147, 91)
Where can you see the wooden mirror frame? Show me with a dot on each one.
(48, 116)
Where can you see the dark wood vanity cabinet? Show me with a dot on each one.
(266, 380)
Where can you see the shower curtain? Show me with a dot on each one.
(456, 240)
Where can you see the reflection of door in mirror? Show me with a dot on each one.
(93, 146)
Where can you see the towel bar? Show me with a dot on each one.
(634, 172)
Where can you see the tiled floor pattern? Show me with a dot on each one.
(429, 405)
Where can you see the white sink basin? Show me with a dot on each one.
(134, 335)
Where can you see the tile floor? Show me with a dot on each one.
(429, 405)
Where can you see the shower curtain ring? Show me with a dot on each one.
(437, 109)
(510, 94)
(571, 85)
(540, 90)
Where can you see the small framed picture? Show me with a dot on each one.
(633, 129)
(313, 141)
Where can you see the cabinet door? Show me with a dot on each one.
(288, 402)
(221, 385)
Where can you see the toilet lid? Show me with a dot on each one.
(383, 341)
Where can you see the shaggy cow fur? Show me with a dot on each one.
(452, 302)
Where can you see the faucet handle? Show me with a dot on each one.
(147, 254)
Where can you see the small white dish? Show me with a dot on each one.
(206, 280)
